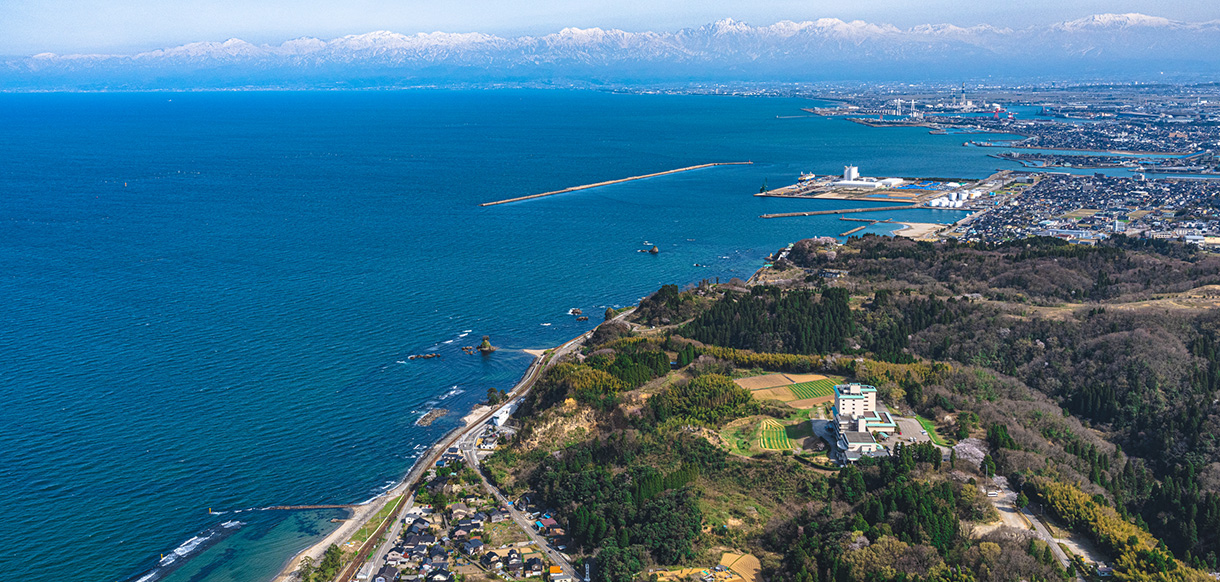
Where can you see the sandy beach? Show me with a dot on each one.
(918, 230)
(475, 414)
(356, 518)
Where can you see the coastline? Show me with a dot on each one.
(918, 230)
(360, 515)
(1119, 152)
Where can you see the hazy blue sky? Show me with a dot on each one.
(31, 26)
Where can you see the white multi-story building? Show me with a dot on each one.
(855, 399)
(857, 418)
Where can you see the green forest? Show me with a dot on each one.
(1089, 375)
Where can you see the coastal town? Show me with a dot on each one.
(1016, 204)
(1125, 161)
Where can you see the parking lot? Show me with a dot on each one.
(909, 429)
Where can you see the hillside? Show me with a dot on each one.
(1085, 376)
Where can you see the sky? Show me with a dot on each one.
(124, 26)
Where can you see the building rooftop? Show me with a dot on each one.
(857, 437)
(853, 390)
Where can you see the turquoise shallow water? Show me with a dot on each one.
(207, 299)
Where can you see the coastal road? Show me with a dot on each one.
(420, 469)
(468, 438)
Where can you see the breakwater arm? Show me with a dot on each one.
(609, 182)
(839, 211)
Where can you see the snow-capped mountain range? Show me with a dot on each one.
(1129, 45)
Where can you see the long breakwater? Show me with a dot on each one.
(840, 211)
(618, 181)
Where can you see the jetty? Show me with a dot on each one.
(304, 507)
(609, 182)
(862, 227)
(839, 211)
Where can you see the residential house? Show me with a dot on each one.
(513, 563)
(396, 555)
(472, 547)
(418, 555)
(491, 561)
(439, 575)
(438, 557)
(438, 484)
(459, 511)
(428, 540)
(533, 567)
(387, 574)
(419, 526)
(500, 515)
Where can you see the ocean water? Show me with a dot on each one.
(207, 300)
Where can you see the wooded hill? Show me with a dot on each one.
(1090, 373)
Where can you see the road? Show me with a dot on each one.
(466, 438)
(467, 445)
(395, 531)
(522, 520)
(1005, 503)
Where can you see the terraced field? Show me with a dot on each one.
(816, 389)
(774, 436)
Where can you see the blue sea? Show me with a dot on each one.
(208, 300)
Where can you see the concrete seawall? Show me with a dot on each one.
(609, 182)
(840, 211)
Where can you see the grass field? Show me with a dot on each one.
(363, 533)
(931, 428)
(818, 389)
(505, 532)
(741, 436)
(799, 430)
(774, 436)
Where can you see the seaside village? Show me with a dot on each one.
(461, 525)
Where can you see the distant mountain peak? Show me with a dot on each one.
(729, 25)
(820, 49)
(1129, 20)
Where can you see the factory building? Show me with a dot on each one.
(852, 179)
